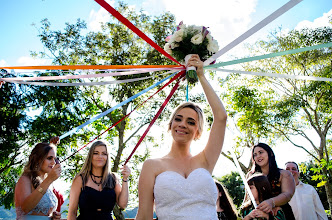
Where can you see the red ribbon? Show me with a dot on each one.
(180, 74)
(157, 115)
(60, 199)
(132, 27)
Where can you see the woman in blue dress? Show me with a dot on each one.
(34, 198)
(95, 190)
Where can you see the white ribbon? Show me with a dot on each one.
(136, 71)
(85, 83)
(244, 180)
(274, 75)
(253, 30)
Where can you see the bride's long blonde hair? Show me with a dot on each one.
(108, 178)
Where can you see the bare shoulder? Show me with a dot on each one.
(77, 182)
(23, 183)
(152, 164)
(24, 180)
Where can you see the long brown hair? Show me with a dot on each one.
(263, 187)
(226, 203)
(108, 179)
(36, 158)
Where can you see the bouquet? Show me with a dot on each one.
(188, 40)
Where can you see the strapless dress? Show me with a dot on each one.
(188, 198)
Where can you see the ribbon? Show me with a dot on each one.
(174, 78)
(275, 75)
(87, 75)
(85, 67)
(253, 30)
(115, 107)
(132, 27)
(83, 83)
(156, 116)
(266, 56)
(244, 180)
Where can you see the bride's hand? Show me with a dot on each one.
(196, 62)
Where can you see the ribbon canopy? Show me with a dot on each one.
(175, 72)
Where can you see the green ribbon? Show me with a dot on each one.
(249, 59)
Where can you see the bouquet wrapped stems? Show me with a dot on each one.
(191, 74)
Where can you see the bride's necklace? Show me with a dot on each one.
(93, 178)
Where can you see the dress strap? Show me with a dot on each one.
(83, 183)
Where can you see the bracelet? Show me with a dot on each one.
(41, 190)
(125, 180)
(273, 204)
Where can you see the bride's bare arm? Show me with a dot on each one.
(145, 191)
(214, 145)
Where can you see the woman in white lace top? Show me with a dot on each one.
(180, 184)
(34, 198)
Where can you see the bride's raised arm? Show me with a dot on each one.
(216, 139)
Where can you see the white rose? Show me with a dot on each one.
(174, 45)
(197, 39)
(213, 46)
(178, 36)
(167, 48)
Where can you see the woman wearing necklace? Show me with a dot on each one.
(95, 190)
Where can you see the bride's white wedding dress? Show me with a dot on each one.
(179, 198)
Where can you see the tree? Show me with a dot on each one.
(234, 186)
(306, 176)
(297, 111)
(14, 100)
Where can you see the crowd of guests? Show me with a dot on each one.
(178, 185)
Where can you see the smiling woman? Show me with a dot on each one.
(95, 190)
(180, 184)
(281, 181)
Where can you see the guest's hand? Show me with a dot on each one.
(55, 173)
(256, 213)
(56, 215)
(125, 171)
(266, 206)
(275, 210)
(55, 140)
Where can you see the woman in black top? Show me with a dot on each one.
(95, 190)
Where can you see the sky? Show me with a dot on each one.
(226, 19)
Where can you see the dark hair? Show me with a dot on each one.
(36, 158)
(226, 203)
(262, 185)
(293, 163)
(274, 171)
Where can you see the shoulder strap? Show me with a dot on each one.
(83, 183)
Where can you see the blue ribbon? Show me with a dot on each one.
(115, 107)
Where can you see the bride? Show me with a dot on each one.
(180, 184)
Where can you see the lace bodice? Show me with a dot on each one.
(47, 205)
(192, 198)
